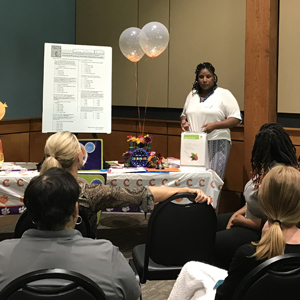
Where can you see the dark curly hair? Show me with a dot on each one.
(272, 143)
(206, 65)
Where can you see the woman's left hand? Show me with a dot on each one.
(201, 197)
(209, 127)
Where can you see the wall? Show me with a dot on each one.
(289, 58)
(24, 28)
(199, 31)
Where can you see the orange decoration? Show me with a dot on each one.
(2, 109)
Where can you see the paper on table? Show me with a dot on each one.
(128, 170)
(192, 169)
(163, 170)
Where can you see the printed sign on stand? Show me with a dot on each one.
(194, 150)
(92, 151)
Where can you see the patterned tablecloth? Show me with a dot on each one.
(13, 184)
(12, 187)
(208, 181)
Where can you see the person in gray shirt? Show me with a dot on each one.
(52, 203)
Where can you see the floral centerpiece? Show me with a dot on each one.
(127, 158)
(155, 160)
(140, 142)
(143, 144)
(152, 159)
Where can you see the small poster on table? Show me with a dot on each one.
(92, 151)
(194, 150)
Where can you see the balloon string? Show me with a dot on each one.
(146, 105)
(137, 98)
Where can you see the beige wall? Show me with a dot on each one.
(211, 31)
(199, 31)
(289, 57)
(101, 22)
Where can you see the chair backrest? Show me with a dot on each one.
(24, 223)
(277, 278)
(64, 285)
(180, 233)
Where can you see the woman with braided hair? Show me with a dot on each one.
(211, 109)
(272, 147)
(279, 199)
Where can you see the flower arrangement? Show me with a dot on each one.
(140, 141)
(155, 160)
(127, 158)
(127, 154)
(131, 140)
(152, 159)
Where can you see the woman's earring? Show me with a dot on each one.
(80, 221)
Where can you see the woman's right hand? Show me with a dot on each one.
(184, 125)
(230, 222)
(241, 212)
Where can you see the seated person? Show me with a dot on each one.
(278, 195)
(52, 203)
(272, 147)
(62, 150)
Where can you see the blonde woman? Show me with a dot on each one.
(62, 150)
(279, 198)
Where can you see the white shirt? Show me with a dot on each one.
(219, 106)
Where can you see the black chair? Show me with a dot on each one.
(277, 278)
(55, 284)
(176, 234)
(24, 223)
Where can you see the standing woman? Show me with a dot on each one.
(211, 109)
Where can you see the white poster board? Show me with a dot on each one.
(77, 88)
(194, 150)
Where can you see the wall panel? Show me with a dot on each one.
(153, 71)
(37, 141)
(101, 22)
(24, 28)
(199, 31)
(233, 181)
(289, 57)
(174, 146)
(211, 31)
(15, 146)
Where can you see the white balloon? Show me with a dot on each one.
(154, 38)
(129, 44)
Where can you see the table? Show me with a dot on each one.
(208, 181)
(12, 187)
(13, 184)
